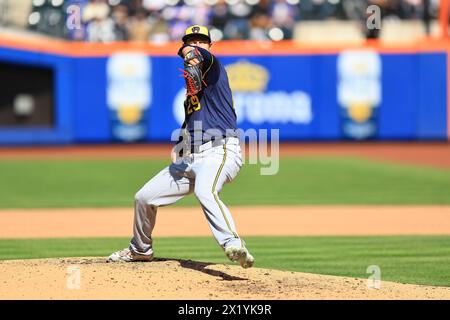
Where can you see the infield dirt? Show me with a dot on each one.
(250, 221)
(93, 278)
(428, 154)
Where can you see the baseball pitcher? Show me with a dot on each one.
(207, 156)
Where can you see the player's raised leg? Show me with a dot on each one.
(167, 187)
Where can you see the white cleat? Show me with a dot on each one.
(126, 255)
(240, 254)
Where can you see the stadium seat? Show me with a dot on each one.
(328, 32)
(402, 31)
(17, 12)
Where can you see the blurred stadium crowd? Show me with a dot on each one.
(160, 21)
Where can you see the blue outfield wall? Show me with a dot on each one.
(414, 97)
(296, 94)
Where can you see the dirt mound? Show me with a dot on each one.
(93, 278)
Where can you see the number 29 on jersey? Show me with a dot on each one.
(193, 104)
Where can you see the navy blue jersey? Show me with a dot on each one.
(213, 105)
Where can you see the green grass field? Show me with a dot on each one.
(113, 183)
(418, 260)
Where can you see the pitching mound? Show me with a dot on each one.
(93, 278)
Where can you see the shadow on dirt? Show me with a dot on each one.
(188, 264)
(201, 266)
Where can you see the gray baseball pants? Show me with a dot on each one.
(204, 174)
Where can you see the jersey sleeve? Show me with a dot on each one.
(210, 68)
(208, 58)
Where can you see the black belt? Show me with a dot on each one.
(208, 145)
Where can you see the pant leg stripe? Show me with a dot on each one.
(215, 194)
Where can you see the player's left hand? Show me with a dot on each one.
(192, 62)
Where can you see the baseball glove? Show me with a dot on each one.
(193, 74)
